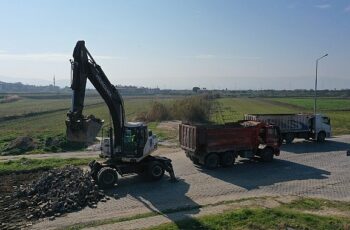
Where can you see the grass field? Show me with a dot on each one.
(50, 124)
(30, 105)
(259, 218)
(233, 109)
(323, 104)
(337, 109)
(27, 165)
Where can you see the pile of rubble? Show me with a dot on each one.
(56, 192)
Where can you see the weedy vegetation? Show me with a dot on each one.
(28, 165)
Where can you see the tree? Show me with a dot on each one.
(195, 89)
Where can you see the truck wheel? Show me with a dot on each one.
(267, 154)
(155, 170)
(195, 161)
(107, 177)
(289, 137)
(227, 159)
(211, 161)
(321, 137)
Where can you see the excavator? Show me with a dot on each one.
(128, 146)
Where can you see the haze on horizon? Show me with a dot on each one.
(242, 44)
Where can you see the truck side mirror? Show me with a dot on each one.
(150, 133)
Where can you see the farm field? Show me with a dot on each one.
(337, 109)
(50, 125)
(323, 104)
(233, 109)
(27, 106)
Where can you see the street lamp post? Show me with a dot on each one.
(315, 101)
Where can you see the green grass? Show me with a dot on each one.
(317, 204)
(259, 218)
(323, 104)
(25, 164)
(233, 109)
(28, 106)
(52, 125)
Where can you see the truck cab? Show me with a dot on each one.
(321, 127)
(270, 136)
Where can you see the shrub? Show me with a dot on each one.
(158, 112)
(191, 109)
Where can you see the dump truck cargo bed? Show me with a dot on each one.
(244, 138)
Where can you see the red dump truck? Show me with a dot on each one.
(214, 145)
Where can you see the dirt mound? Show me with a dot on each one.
(10, 98)
(55, 192)
(20, 145)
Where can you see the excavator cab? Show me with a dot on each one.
(138, 142)
(135, 138)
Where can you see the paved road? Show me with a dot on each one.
(302, 169)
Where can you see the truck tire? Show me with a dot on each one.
(107, 177)
(289, 137)
(212, 161)
(195, 161)
(155, 170)
(267, 154)
(321, 137)
(227, 159)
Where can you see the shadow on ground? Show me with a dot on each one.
(251, 174)
(163, 196)
(313, 147)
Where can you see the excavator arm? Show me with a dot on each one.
(85, 129)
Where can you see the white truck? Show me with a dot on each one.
(306, 126)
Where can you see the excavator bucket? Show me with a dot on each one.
(84, 130)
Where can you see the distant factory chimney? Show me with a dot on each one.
(54, 81)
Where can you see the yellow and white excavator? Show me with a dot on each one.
(128, 148)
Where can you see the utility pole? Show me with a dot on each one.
(315, 100)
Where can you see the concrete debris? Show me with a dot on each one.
(54, 193)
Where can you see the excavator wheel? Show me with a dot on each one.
(155, 170)
(107, 177)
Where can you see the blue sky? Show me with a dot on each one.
(257, 44)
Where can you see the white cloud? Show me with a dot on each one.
(45, 56)
(323, 6)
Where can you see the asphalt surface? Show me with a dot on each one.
(304, 168)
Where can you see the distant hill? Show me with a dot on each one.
(18, 87)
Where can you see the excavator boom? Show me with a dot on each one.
(85, 129)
